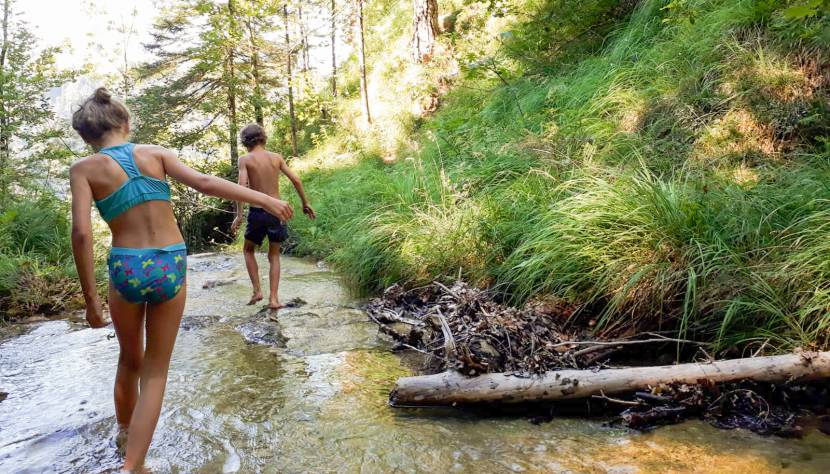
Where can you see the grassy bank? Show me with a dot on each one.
(37, 273)
(663, 165)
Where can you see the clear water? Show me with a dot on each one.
(316, 403)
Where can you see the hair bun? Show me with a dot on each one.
(102, 96)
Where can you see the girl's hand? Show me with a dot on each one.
(95, 315)
(308, 211)
(279, 208)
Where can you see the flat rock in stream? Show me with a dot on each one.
(263, 331)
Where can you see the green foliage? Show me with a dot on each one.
(28, 129)
(807, 9)
(36, 268)
(668, 172)
(35, 258)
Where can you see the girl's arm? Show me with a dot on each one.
(82, 245)
(222, 188)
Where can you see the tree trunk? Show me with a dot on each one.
(5, 133)
(303, 38)
(290, 80)
(230, 79)
(364, 88)
(450, 388)
(259, 116)
(333, 47)
(425, 14)
(303, 56)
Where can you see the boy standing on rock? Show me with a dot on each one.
(260, 171)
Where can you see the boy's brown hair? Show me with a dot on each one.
(98, 115)
(252, 135)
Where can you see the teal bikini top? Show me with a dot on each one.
(137, 189)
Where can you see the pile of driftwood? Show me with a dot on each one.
(765, 408)
(480, 351)
(464, 329)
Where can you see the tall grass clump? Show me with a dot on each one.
(37, 272)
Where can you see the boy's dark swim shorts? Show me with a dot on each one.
(260, 224)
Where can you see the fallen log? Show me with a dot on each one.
(449, 388)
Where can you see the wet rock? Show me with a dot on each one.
(214, 283)
(295, 303)
(263, 331)
(190, 322)
(3, 396)
(399, 331)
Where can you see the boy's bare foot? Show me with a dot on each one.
(275, 305)
(256, 298)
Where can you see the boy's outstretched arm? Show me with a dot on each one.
(82, 245)
(222, 188)
(243, 181)
(298, 185)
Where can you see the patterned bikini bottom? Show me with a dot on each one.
(152, 275)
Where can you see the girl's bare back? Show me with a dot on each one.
(149, 224)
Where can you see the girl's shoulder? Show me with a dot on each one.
(85, 162)
(150, 148)
(157, 152)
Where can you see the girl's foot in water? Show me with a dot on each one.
(274, 305)
(256, 298)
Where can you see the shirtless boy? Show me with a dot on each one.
(260, 171)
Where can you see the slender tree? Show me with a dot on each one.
(425, 29)
(261, 54)
(333, 48)
(230, 80)
(126, 29)
(289, 80)
(361, 56)
(5, 128)
(258, 98)
(303, 38)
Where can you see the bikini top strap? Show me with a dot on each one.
(123, 155)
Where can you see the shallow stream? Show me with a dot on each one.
(308, 394)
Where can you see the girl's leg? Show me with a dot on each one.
(162, 327)
(128, 320)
